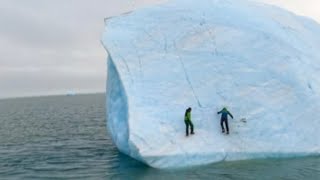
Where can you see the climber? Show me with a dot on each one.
(187, 120)
(224, 118)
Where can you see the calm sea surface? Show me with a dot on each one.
(65, 137)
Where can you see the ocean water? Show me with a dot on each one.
(65, 137)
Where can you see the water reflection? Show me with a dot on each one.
(294, 168)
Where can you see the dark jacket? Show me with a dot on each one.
(224, 114)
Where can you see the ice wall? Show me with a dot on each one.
(259, 60)
(117, 109)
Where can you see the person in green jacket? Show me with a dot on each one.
(187, 120)
(224, 118)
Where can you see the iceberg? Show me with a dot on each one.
(260, 61)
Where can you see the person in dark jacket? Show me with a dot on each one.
(187, 120)
(224, 119)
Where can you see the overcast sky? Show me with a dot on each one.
(53, 46)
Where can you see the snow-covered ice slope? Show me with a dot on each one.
(260, 61)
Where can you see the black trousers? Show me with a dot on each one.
(188, 123)
(225, 121)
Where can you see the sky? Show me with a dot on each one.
(51, 47)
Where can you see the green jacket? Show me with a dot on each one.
(187, 117)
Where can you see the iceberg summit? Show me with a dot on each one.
(260, 61)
